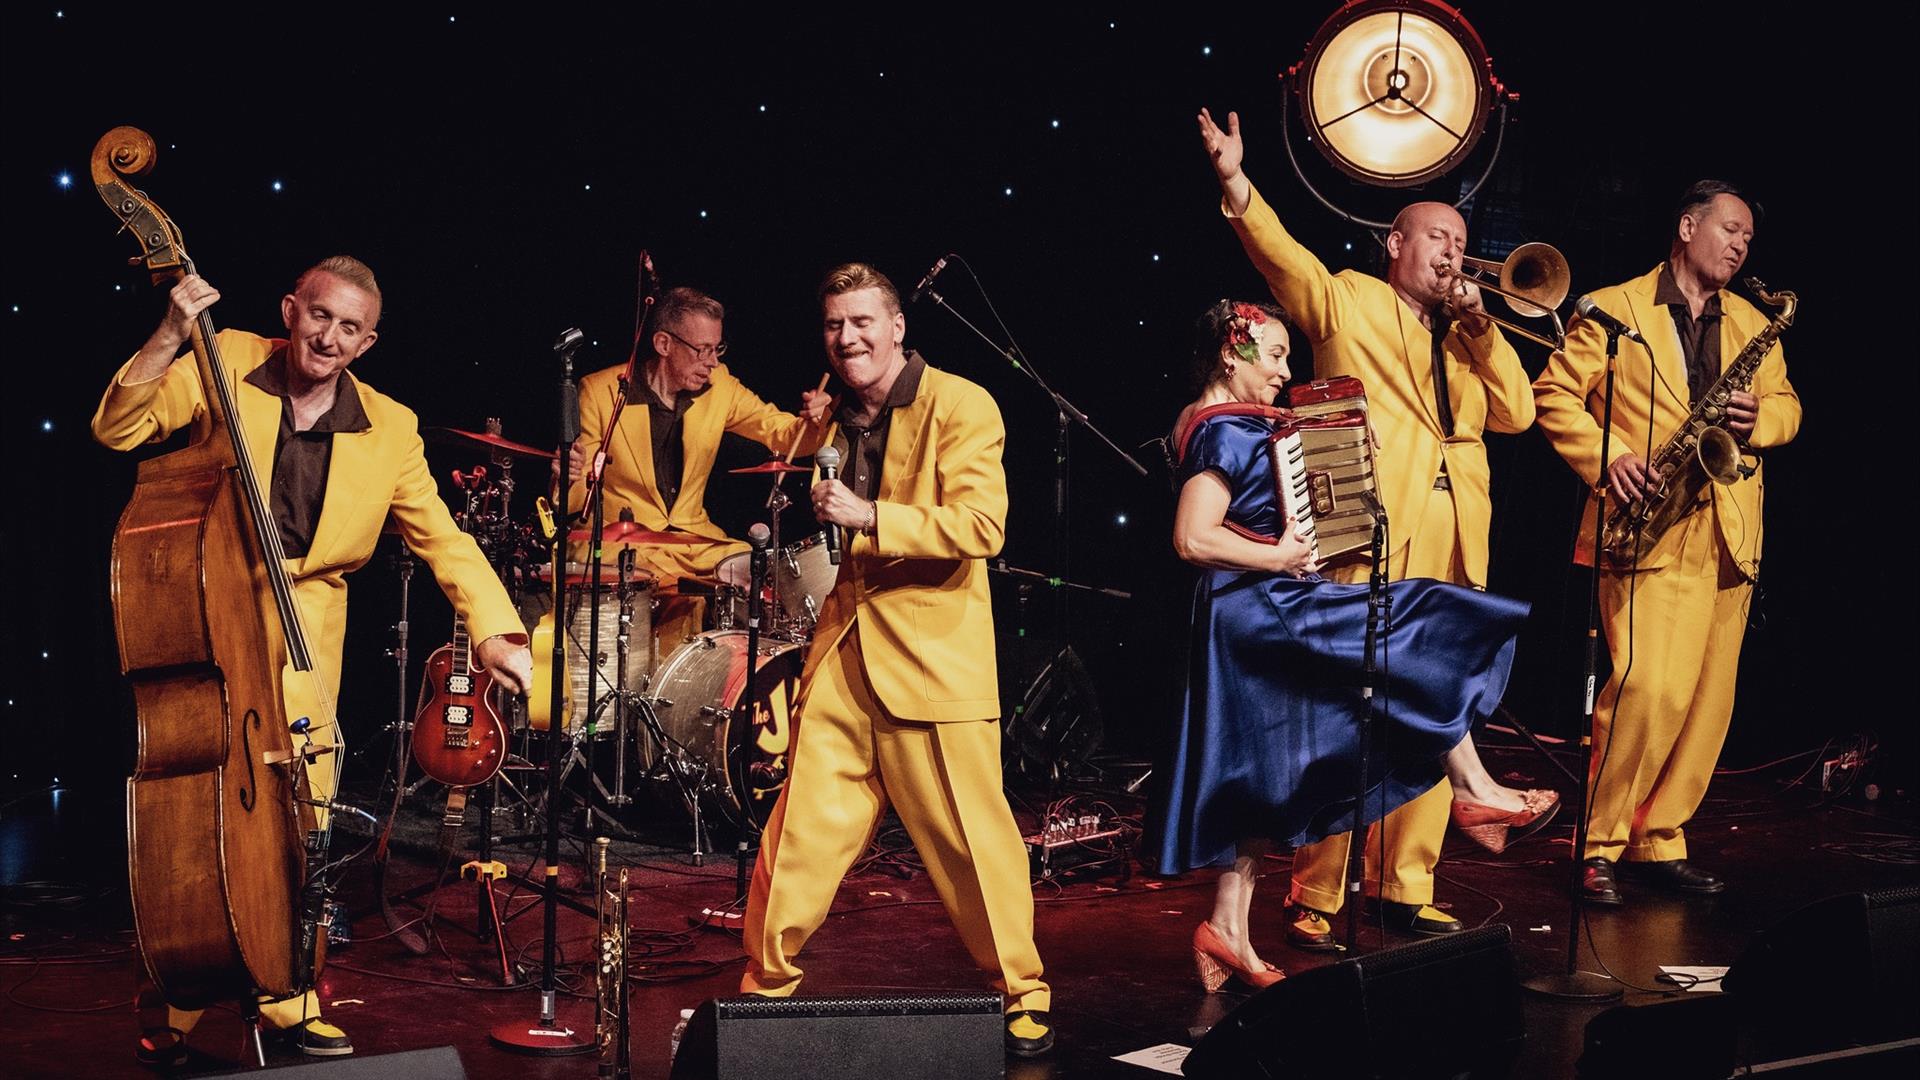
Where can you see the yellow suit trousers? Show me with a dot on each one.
(850, 757)
(1674, 634)
(1403, 847)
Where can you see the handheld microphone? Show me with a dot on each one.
(914, 297)
(828, 459)
(1587, 309)
(760, 537)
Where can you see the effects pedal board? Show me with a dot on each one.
(1064, 844)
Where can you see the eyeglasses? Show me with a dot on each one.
(701, 351)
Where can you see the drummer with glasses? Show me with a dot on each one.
(659, 455)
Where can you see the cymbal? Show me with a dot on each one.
(494, 441)
(773, 466)
(626, 532)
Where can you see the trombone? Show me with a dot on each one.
(1533, 280)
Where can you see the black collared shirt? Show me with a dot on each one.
(301, 459)
(864, 449)
(1699, 337)
(664, 425)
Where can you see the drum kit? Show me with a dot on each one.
(679, 716)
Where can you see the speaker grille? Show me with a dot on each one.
(758, 1007)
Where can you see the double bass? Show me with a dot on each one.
(219, 824)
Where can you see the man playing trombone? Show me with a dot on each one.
(1421, 328)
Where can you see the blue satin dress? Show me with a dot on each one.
(1269, 731)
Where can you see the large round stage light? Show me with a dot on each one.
(1395, 92)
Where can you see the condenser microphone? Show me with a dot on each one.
(914, 297)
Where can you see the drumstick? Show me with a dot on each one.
(795, 444)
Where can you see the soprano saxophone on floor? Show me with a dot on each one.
(1700, 452)
(610, 1017)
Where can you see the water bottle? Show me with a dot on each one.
(679, 1029)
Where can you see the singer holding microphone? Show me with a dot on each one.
(899, 701)
(1438, 375)
(1675, 621)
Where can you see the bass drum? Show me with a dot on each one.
(737, 749)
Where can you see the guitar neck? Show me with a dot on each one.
(462, 647)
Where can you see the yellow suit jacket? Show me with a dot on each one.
(1569, 393)
(726, 406)
(372, 474)
(918, 584)
(1357, 325)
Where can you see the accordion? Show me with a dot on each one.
(1323, 466)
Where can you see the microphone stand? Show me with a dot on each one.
(546, 1037)
(1379, 622)
(1573, 984)
(1066, 414)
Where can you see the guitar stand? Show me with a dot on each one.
(484, 869)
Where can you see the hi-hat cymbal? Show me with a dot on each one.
(626, 532)
(773, 466)
(494, 441)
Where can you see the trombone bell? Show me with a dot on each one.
(1533, 279)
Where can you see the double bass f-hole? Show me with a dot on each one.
(249, 791)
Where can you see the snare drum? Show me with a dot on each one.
(803, 576)
(697, 696)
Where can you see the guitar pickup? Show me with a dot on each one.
(459, 684)
(459, 716)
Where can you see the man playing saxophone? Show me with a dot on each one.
(1675, 613)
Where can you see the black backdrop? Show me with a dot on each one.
(501, 172)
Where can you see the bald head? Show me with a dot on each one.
(1423, 234)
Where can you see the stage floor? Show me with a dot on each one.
(1116, 947)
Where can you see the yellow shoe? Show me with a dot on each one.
(1424, 919)
(1029, 1033)
(1309, 929)
(317, 1038)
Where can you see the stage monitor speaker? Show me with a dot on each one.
(1445, 1007)
(931, 1036)
(1690, 1037)
(1057, 725)
(1843, 971)
(439, 1063)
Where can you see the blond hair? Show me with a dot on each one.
(854, 276)
(347, 269)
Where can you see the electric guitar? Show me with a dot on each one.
(458, 737)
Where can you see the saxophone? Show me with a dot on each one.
(1701, 451)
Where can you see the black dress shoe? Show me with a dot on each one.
(1677, 875)
(1597, 885)
(1029, 1032)
(1414, 918)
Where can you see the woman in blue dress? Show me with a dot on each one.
(1267, 747)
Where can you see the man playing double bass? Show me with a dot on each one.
(339, 458)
